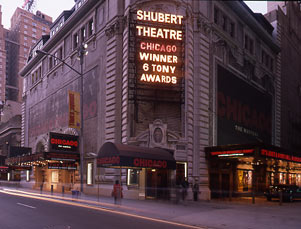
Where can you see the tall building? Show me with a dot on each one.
(173, 91)
(2, 61)
(26, 29)
(286, 21)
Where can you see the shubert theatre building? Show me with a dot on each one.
(172, 90)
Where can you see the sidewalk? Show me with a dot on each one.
(239, 213)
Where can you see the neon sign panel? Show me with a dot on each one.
(159, 52)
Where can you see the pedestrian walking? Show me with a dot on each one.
(117, 192)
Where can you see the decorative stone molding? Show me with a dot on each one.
(116, 28)
(157, 135)
(204, 25)
(42, 141)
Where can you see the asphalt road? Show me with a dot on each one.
(22, 213)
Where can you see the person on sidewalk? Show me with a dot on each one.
(117, 192)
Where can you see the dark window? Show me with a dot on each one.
(91, 27)
(60, 53)
(50, 63)
(272, 65)
(225, 20)
(251, 48)
(83, 34)
(232, 29)
(216, 15)
(75, 40)
(246, 42)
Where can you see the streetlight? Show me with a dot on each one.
(82, 51)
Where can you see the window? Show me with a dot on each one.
(133, 177)
(216, 15)
(60, 53)
(27, 175)
(55, 61)
(224, 24)
(232, 29)
(34, 24)
(83, 34)
(75, 40)
(89, 173)
(25, 38)
(50, 62)
(25, 26)
(34, 30)
(249, 44)
(54, 176)
(90, 27)
(25, 32)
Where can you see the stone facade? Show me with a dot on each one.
(109, 112)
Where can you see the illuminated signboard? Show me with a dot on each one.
(232, 153)
(63, 142)
(159, 50)
(64, 165)
(280, 156)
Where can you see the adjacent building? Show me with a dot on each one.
(173, 91)
(286, 21)
(26, 29)
(2, 60)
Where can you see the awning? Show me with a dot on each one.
(120, 155)
(54, 156)
(256, 149)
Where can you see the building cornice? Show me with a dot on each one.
(65, 29)
(244, 14)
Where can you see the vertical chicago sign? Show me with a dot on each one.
(159, 48)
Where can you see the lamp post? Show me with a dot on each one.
(81, 53)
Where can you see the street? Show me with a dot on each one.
(22, 212)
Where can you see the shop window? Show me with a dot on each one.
(89, 173)
(133, 177)
(27, 175)
(54, 176)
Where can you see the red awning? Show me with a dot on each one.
(111, 154)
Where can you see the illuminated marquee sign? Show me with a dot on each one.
(159, 51)
(63, 142)
(232, 153)
(280, 156)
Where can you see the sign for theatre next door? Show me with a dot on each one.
(244, 113)
(159, 48)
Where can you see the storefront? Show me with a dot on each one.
(238, 170)
(56, 169)
(149, 170)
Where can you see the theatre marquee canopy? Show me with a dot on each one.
(254, 150)
(121, 155)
